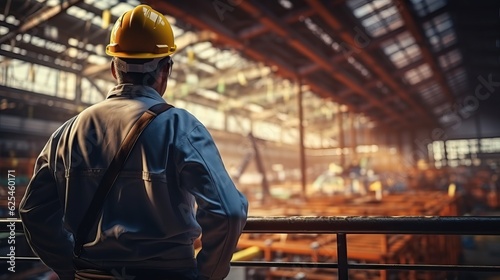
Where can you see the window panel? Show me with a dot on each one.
(425, 7)
(402, 50)
(362, 11)
(418, 74)
(378, 17)
(439, 31)
(462, 151)
(450, 59)
(457, 80)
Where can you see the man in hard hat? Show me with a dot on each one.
(148, 221)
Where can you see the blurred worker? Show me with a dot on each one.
(148, 222)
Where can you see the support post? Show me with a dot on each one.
(479, 133)
(303, 174)
(446, 154)
(340, 117)
(266, 193)
(412, 135)
(78, 90)
(342, 256)
(400, 148)
(353, 137)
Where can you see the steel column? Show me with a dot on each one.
(340, 117)
(303, 170)
(353, 136)
(342, 256)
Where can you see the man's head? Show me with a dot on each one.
(141, 43)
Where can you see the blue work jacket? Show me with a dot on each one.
(150, 218)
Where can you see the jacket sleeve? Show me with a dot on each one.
(222, 209)
(42, 215)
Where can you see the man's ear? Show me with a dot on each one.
(113, 69)
(166, 69)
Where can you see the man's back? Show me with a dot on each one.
(148, 219)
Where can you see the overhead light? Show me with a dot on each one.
(190, 55)
(106, 19)
(254, 108)
(3, 30)
(170, 19)
(72, 52)
(270, 89)
(282, 116)
(73, 42)
(99, 60)
(286, 4)
(221, 86)
(241, 79)
(264, 71)
(209, 94)
(192, 79)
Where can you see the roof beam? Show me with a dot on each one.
(314, 54)
(34, 98)
(91, 70)
(39, 17)
(368, 60)
(61, 38)
(420, 39)
(259, 29)
(225, 37)
(49, 63)
(339, 58)
(190, 38)
(230, 76)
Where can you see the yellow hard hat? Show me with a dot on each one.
(141, 33)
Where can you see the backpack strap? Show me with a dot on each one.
(111, 174)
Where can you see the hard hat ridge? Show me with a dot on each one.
(141, 33)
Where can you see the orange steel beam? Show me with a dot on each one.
(426, 53)
(368, 60)
(260, 29)
(312, 53)
(225, 38)
(339, 58)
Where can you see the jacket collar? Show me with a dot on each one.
(131, 90)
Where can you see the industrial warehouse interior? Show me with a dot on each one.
(319, 108)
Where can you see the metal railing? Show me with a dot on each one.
(342, 226)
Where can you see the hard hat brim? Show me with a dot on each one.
(138, 55)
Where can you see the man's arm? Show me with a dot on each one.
(41, 214)
(222, 209)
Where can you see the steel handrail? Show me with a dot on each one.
(341, 226)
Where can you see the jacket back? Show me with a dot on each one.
(149, 217)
